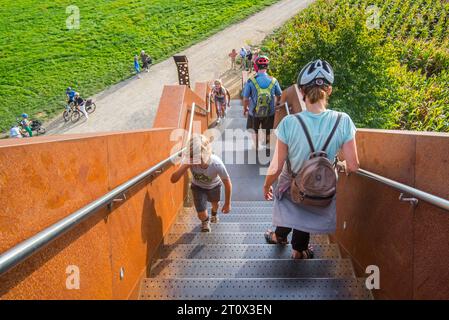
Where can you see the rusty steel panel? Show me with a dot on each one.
(374, 228)
(290, 96)
(389, 154)
(431, 236)
(67, 172)
(138, 225)
(40, 184)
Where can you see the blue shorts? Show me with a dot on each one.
(201, 196)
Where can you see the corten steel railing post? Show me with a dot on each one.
(183, 70)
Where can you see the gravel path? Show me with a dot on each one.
(132, 104)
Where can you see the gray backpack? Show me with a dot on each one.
(316, 182)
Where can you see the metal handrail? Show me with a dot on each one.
(27, 248)
(287, 109)
(198, 107)
(422, 195)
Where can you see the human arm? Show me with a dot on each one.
(351, 162)
(179, 173)
(275, 169)
(228, 193)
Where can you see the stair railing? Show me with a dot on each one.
(407, 190)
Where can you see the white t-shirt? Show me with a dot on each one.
(210, 177)
(15, 133)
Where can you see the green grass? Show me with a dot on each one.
(40, 57)
(393, 77)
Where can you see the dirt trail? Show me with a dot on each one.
(132, 104)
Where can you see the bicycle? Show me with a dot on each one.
(68, 111)
(76, 113)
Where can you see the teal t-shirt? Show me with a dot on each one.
(319, 126)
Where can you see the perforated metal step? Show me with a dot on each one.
(231, 238)
(249, 289)
(236, 210)
(236, 204)
(223, 227)
(230, 218)
(249, 268)
(241, 251)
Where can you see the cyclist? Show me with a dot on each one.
(26, 124)
(260, 95)
(70, 93)
(80, 103)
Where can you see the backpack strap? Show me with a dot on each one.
(273, 82)
(256, 84)
(304, 127)
(326, 144)
(309, 140)
(258, 87)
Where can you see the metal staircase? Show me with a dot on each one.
(234, 261)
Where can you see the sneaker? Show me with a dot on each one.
(214, 218)
(205, 226)
(218, 120)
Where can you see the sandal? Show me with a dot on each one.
(305, 254)
(269, 238)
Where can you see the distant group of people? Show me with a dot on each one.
(248, 58)
(22, 128)
(146, 61)
(303, 161)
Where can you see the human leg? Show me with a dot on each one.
(213, 196)
(279, 236)
(200, 203)
(83, 110)
(300, 245)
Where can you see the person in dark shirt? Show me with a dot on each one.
(81, 104)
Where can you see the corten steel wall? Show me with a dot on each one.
(408, 244)
(46, 178)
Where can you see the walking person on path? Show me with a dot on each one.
(136, 64)
(145, 60)
(249, 60)
(243, 57)
(307, 144)
(233, 55)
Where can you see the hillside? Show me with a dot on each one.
(40, 57)
(392, 74)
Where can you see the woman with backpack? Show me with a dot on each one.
(307, 144)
